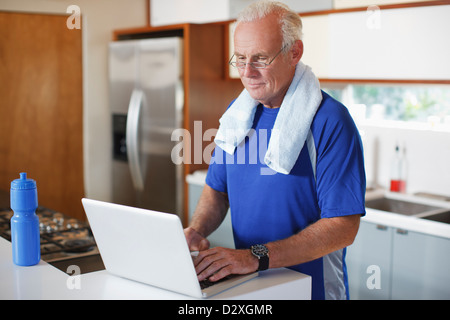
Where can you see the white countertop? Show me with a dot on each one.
(410, 223)
(44, 281)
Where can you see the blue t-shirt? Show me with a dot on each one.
(266, 206)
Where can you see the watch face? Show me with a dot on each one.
(260, 250)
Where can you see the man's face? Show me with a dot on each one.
(261, 40)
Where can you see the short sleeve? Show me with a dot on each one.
(341, 181)
(216, 176)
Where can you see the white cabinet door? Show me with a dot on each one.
(223, 236)
(369, 262)
(379, 44)
(421, 266)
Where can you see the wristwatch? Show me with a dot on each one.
(262, 253)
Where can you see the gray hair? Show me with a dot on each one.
(290, 21)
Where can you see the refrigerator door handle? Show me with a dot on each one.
(132, 139)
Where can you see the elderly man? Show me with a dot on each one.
(298, 205)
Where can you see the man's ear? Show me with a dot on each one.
(297, 51)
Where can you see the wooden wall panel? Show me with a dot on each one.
(210, 91)
(41, 108)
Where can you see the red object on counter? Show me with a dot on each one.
(398, 186)
(398, 171)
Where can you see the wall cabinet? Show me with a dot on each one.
(386, 44)
(408, 265)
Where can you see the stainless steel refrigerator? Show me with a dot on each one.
(146, 99)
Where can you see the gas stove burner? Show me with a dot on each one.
(58, 218)
(47, 225)
(78, 245)
(72, 224)
(62, 237)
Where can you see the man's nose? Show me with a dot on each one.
(249, 71)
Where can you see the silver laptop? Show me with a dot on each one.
(149, 247)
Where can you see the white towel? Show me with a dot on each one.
(291, 126)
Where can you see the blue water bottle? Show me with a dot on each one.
(25, 238)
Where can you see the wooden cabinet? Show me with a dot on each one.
(41, 108)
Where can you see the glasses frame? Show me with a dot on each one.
(259, 65)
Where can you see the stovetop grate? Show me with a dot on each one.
(61, 236)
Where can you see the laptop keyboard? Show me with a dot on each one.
(207, 283)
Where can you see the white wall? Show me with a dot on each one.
(165, 12)
(427, 155)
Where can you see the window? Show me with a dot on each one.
(415, 104)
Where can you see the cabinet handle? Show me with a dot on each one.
(402, 231)
(381, 227)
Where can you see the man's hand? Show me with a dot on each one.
(217, 263)
(196, 242)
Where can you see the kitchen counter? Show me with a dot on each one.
(43, 281)
(415, 224)
(411, 223)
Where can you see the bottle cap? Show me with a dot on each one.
(23, 183)
(23, 195)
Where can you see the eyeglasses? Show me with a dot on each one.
(256, 65)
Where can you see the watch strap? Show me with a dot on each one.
(263, 263)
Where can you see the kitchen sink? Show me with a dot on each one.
(410, 206)
(440, 217)
(400, 206)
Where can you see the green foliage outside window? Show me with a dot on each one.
(418, 103)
